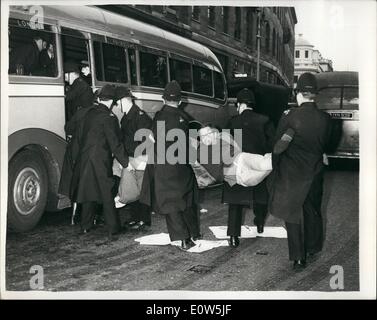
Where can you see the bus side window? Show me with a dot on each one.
(110, 63)
(132, 62)
(202, 80)
(181, 72)
(153, 70)
(328, 98)
(32, 52)
(350, 98)
(219, 86)
(75, 49)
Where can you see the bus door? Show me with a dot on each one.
(75, 49)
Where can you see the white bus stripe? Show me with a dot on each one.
(35, 90)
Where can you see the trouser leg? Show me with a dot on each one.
(191, 218)
(234, 220)
(260, 212)
(88, 211)
(111, 217)
(295, 241)
(177, 228)
(313, 223)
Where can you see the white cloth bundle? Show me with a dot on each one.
(251, 169)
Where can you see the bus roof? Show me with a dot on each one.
(107, 23)
(337, 79)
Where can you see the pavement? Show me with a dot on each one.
(77, 263)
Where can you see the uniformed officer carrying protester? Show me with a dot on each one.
(79, 94)
(99, 139)
(295, 185)
(172, 188)
(257, 137)
(134, 119)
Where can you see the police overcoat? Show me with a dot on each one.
(294, 170)
(169, 188)
(131, 122)
(71, 152)
(99, 139)
(257, 137)
(79, 95)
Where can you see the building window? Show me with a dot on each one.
(195, 13)
(237, 29)
(297, 54)
(268, 31)
(249, 22)
(225, 14)
(211, 16)
(306, 54)
(274, 43)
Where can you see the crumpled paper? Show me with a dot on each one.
(250, 232)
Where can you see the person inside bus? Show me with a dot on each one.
(98, 134)
(24, 60)
(85, 72)
(134, 119)
(171, 188)
(47, 61)
(78, 93)
(257, 138)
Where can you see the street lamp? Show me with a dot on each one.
(259, 11)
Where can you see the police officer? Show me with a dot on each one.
(171, 187)
(134, 119)
(257, 137)
(303, 136)
(79, 94)
(99, 139)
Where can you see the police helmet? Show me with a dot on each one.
(307, 83)
(71, 66)
(122, 92)
(246, 96)
(172, 91)
(107, 92)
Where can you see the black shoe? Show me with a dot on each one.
(138, 226)
(197, 237)
(234, 241)
(186, 244)
(299, 264)
(260, 228)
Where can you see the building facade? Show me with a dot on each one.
(231, 33)
(308, 59)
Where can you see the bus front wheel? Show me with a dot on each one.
(27, 191)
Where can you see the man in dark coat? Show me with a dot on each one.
(134, 119)
(171, 186)
(257, 137)
(79, 94)
(99, 139)
(24, 60)
(295, 185)
(47, 61)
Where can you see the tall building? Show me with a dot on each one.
(231, 33)
(308, 59)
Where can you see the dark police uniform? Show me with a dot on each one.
(171, 188)
(79, 94)
(257, 137)
(295, 183)
(131, 122)
(92, 182)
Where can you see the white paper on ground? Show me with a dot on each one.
(250, 232)
(163, 239)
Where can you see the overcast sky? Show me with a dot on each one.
(338, 29)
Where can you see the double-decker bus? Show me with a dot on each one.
(119, 50)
